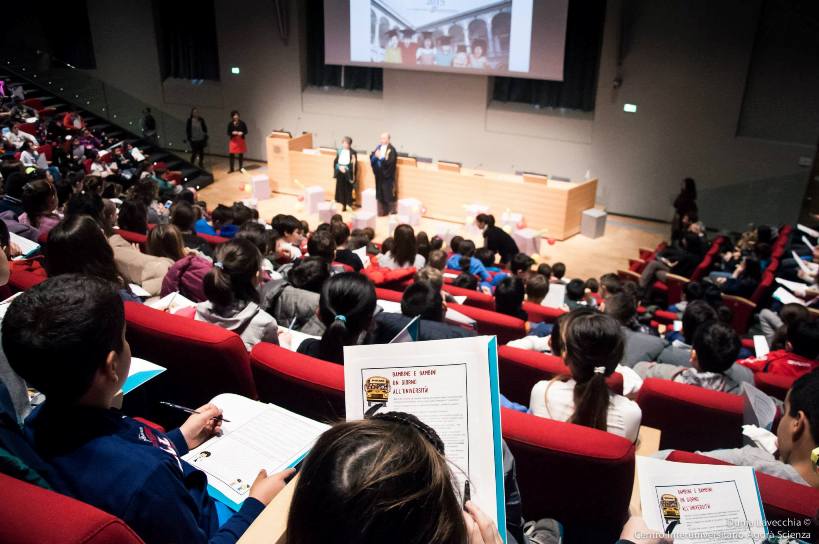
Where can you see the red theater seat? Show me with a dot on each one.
(202, 360)
(388, 294)
(580, 476)
(25, 275)
(521, 369)
(33, 515)
(690, 417)
(490, 323)
(212, 240)
(473, 298)
(541, 314)
(773, 384)
(781, 499)
(311, 387)
(133, 237)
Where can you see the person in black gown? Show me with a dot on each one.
(344, 167)
(383, 160)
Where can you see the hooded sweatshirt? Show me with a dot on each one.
(250, 322)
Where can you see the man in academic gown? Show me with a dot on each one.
(383, 160)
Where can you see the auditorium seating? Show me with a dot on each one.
(202, 360)
(783, 501)
(473, 298)
(774, 385)
(133, 237)
(300, 383)
(33, 515)
(487, 322)
(521, 369)
(541, 314)
(691, 417)
(580, 476)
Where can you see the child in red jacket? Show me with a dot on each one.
(799, 356)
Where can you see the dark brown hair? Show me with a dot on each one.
(166, 241)
(374, 479)
(231, 280)
(403, 253)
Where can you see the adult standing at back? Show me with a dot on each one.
(237, 146)
(197, 132)
(684, 206)
(496, 239)
(383, 160)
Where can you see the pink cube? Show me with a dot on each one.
(326, 211)
(363, 219)
(313, 196)
(411, 208)
(368, 202)
(395, 220)
(527, 241)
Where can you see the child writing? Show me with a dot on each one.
(66, 337)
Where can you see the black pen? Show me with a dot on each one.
(467, 493)
(190, 410)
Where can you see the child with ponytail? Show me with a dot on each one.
(232, 294)
(591, 345)
(346, 308)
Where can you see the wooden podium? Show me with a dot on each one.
(552, 207)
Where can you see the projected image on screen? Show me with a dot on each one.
(524, 38)
(441, 33)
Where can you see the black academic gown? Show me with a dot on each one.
(345, 181)
(384, 171)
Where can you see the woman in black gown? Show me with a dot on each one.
(345, 167)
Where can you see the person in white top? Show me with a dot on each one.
(592, 345)
(17, 137)
(405, 252)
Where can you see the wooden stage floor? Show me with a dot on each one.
(584, 257)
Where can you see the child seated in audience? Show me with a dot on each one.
(231, 288)
(714, 350)
(592, 346)
(322, 244)
(260, 237)
(309, 274)
(521, 266)
(454, 245)
(40, 205)
(466, 281)
(797, 437)
(575, 296)
(466, 250)
(537, 288)
(66, 337)
(423, 299)
(77, 245)
(290, 230)
(775, 325)
(437, 259)
(509, 296)
(404, 253)
(545, 270)
(558, 271)
(346, 307)
(799, 355)
(610, 284)
(344, 254)
(487, 258)
(593, 291)
(639, 345)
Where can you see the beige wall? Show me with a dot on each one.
(685, 69)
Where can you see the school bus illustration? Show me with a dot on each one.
(377, 389)
(670, 506)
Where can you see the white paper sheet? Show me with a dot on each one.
(761, 347)
(4, 305)
(446, 384)
(807, 230)
(27, 247)
(795, 286)
(760, 409)
(361, 253)
(138, 290)
(296, 338)
(452, 316)
(140, 372)
(712, 504)
(257, 436)
(786, 297)
(807, 243)
(802, 264)
(556, 296)
(171, 303)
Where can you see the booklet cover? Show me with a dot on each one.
(452, 386)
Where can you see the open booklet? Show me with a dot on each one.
(452, 386)
(255, 436)
(27, 247)
(171, 303)
(701, 504)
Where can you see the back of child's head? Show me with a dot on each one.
(285, 224)
(258, 235)
(436, 243)
(369, 232)
(374, 479)
(455, 243)
(509, 295)
(183, 216)
(437, 259)
(610, 284)
(712, 295)
(486, 256)
(165, 241)
(725, 314)
(559, 328)
(537, 288)
(521, 263)
(558, 270)
(592, 285)
(310, 274)
(337, 218)
(593, 345)
(77, 245)
(696, 313)
(133, 216)
(57, 334)
(422, 244)
(621, 307)
(464, 263)
(466, 248)
(429, 274)
(576, 290)
(322, 244)
(86, 203)
(340, 232)
(793, 312)
(233, 278)
(357, 240)
(692, 291)
(465, 280)
(346, 307)
(222, 215)
(803, 338)
(717, 346)
(804, 397)
(38, 196)
(423, 299)
(387, 245)
(545, 269)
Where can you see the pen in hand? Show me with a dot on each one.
(189, 410)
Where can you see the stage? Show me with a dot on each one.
(584, 257)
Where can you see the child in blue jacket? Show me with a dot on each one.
(66, 337)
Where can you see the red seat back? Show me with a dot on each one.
(781, 499)
(580, 476)
(133, 237)
(521, 369)
(32, 515)
(388, 294)
(541, 314)
(22, 279)
(35, 103)
(774, 385)
(311, 387)
(690, 417)
(473, 298)
(202, 360)
(505, 327)
(213, 240)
